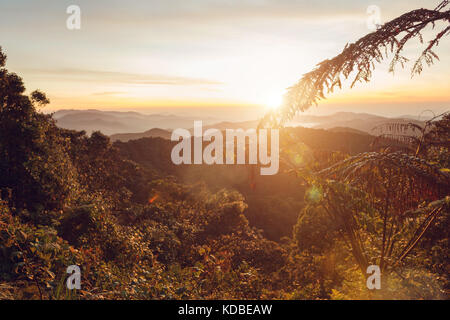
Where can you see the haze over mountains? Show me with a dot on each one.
(111, 122)
(363, 122)
(125, 126)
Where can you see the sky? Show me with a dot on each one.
(229, 57)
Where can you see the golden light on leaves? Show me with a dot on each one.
(314, 194)
(151, 200)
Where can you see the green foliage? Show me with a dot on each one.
(315, 231)
(35, 168)
(142, 228)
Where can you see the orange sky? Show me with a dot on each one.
(140, 55)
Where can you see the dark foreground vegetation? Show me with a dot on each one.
(142, 228)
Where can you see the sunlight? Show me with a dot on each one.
(274, 102)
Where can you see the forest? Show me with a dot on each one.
(141, 227)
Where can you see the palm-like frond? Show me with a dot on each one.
(359, 59)
(415, 138)
(394, 185)
(375, 233)
(396, 127)
(409, 177)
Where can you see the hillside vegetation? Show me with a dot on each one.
(141, 228)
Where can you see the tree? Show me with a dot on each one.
(35, 170)
(383, 202)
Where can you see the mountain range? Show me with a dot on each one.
(125, 126)
(112, 122)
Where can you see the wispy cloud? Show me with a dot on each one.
(117, 77)
(108, 93)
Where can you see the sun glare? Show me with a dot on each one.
(274, 102)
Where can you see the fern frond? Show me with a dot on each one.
(359, 58)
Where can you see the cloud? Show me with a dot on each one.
(108, 93)
(72, 74)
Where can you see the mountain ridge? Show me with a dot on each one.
(126, 125)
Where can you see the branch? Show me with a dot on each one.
(360, 58)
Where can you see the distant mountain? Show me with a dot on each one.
(233, 125)
(336, 117)
(113, 122)
(344, 129)
(152, 133)
(126, 126)
(166, 134)
(368, 123)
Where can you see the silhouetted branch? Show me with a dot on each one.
(359, 58)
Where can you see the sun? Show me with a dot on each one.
(274, 102)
